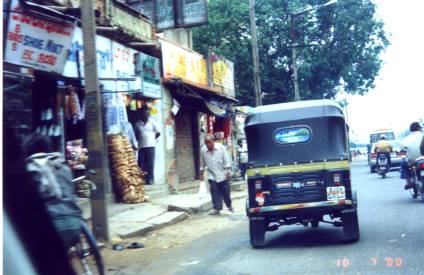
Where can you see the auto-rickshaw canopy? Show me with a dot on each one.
(296, 132)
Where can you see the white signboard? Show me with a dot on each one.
(104, 56)
(123, 67)
(35, 42)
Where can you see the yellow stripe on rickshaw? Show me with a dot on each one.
(297, 168)
(299, 206)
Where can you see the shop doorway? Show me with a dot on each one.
(187, 144)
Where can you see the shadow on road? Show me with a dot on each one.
(305, 237)
(407, 200)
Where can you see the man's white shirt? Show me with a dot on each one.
(412, 145)
(146, 133)
(216, 161)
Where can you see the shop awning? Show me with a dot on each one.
(201, 98)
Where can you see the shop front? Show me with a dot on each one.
(190, 104)
(129, 81)
(44, 92)
(36, 44)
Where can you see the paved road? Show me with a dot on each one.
(392, 240)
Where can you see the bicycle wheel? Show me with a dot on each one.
(87, 258)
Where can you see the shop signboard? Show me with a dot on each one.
(124, 68)
(183, 63)
(115, 63)
(222, 74)
(146, 7)
(195, 12)
(147, 67)
(36, 42)
(104, 56)
(167, 14)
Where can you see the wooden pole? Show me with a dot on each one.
(96, 144)
(256, 76)
(294, 57)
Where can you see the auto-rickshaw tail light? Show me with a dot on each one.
(260, 199)
(337, 179)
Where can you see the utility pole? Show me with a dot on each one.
(256, 76)
(294, 57)
(293, 42)
(96, 144)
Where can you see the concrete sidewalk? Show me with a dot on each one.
(130, 220)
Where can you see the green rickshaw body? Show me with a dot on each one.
(298, 169)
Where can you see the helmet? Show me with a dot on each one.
(383, 137)
(415, 126)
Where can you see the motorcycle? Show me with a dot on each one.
(418, 178)
(382, 165)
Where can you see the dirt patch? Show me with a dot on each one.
(161, 241)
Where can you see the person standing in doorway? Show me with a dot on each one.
(242, 154)
(215, 159)
(147, 133)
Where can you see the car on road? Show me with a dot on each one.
(396, 156)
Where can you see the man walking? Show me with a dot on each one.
(147, 133)
(215, 159)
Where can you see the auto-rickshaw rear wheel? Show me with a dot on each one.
(257, 229)
(350, 225)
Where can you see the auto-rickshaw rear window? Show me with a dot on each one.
(292, 135)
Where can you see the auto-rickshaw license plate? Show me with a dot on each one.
(336, 193)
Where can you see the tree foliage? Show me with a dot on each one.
(338, 46)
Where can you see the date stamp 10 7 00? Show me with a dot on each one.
(395, 262)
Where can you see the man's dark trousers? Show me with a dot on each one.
(219, 191)
(146, 161)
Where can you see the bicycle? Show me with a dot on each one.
(85, 255)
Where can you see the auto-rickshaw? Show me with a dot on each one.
(298, 168)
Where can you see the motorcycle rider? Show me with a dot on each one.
(411, 144)
(383, 147)
(422, 146)
(52, 178)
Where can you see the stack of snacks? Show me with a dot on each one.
(128, 179)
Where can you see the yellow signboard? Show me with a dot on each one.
(183, 63)
(222, 74)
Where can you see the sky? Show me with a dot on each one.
(398, 98)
